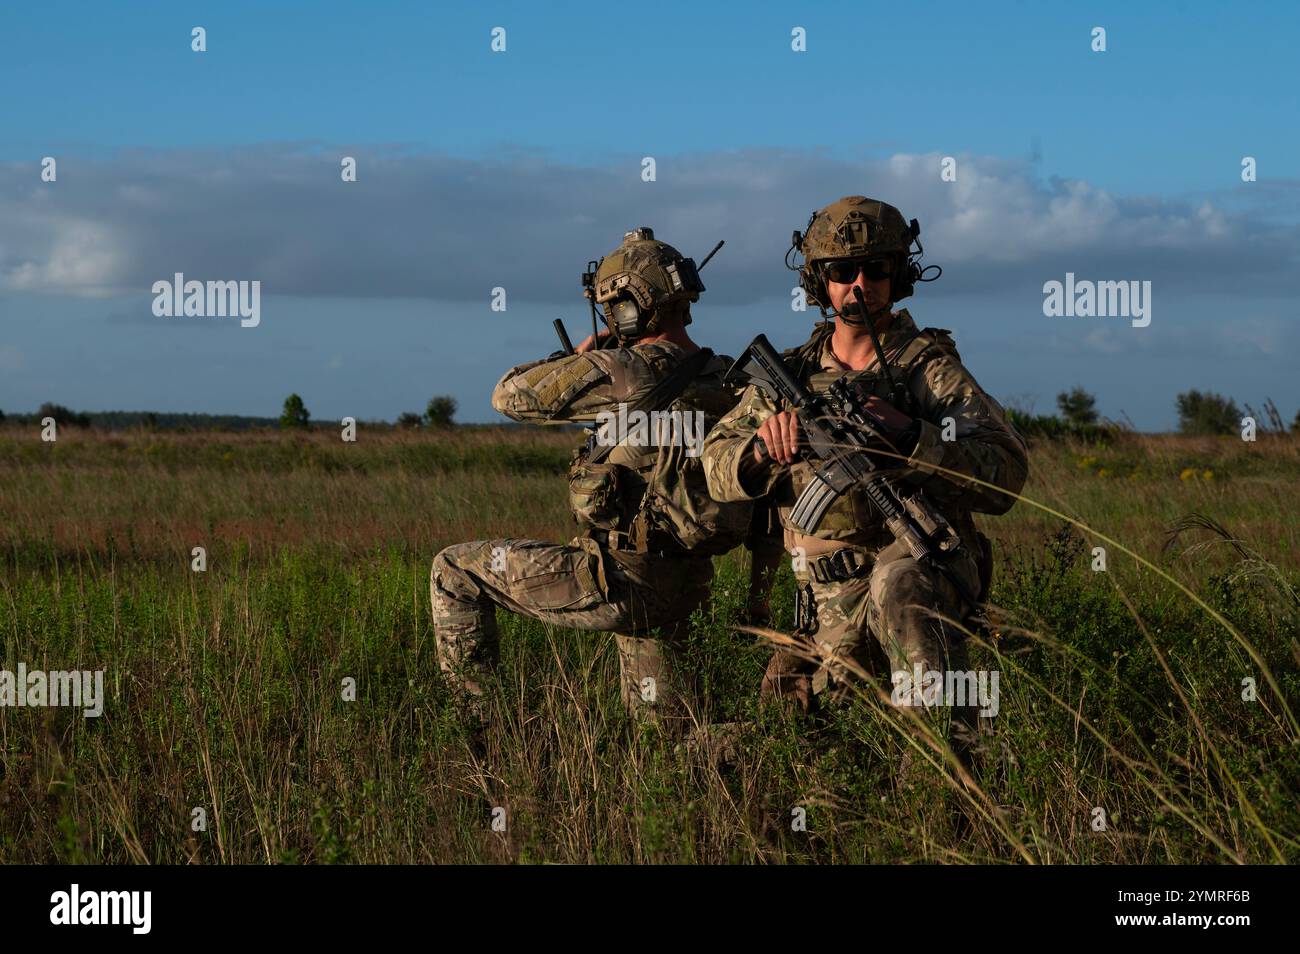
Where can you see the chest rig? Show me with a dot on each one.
(902, 357)
(854, 517)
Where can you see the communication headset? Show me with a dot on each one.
(623, 315)
(907, 270)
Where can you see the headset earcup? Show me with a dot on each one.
(625, 326)
(906, 277)
(811, 288)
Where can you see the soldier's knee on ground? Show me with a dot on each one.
(644, 674)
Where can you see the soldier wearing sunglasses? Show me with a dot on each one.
(863, 599)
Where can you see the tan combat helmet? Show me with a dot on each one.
(857, 227)
(640, 283)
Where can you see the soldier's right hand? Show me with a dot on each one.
(780, 434)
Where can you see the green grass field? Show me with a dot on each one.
(1120, 691)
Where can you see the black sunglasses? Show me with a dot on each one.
(844, 270)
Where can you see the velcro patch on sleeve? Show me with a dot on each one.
(557, 386)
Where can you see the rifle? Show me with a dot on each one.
(840, 434)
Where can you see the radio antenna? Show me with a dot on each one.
(710, 255)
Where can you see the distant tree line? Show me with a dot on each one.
(438, 413)
(1199, 413)
(145, 420)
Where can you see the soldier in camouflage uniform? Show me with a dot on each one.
(855, 580)
(648, 528)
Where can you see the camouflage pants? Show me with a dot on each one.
(642, 599)
(884, 622)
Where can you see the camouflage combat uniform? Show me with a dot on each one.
(629, 570)
(859, 579)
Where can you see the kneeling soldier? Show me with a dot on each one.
(642, 562)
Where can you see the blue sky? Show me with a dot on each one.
(479, 169)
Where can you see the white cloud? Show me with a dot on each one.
(437, 227)
(70, 256)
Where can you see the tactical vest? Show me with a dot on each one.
(903, 359)
(854, 516)
(655, 499)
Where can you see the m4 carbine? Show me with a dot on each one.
(838, 432)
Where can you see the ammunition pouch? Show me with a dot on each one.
(641, 537)
(595, 493)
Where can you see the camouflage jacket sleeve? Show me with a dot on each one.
(728, 452)
(985, 446)
(573, 388)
